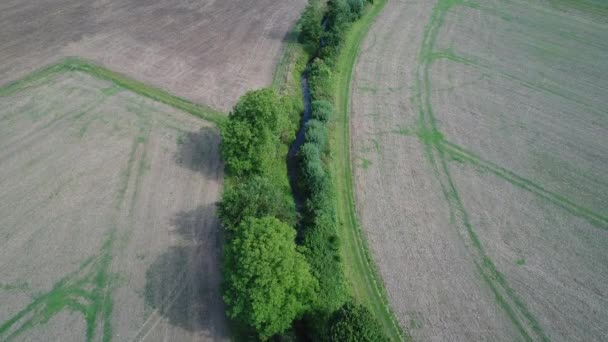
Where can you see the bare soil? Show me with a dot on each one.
(107, 219)
(210, 52)
(479, 139)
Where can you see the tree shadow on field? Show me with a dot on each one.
(199, 151)
(183, 283)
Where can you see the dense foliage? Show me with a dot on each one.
(267, 280)
(255, 196)
(322, 110)
(251, 136)
(310, 29)
(355, 323)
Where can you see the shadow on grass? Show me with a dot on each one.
(199, 151)
(183, 282)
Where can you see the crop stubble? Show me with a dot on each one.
(209, 52)
(478, 148)
(107, 221)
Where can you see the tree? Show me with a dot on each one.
(267, 280)
(255, 197)
(250, 138)
(355, 323)
(311, 25)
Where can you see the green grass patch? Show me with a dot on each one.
(360, 269)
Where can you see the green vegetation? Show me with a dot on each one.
(251, 136)
(82, 65)
(363, 277)
(267, 280)
(256, 196)
(254, 135)
(86, 291)
(355, 323)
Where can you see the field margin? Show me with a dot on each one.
(100, 72)
(362, 273)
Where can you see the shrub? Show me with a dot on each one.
(311, 29)
(356, 9)
(319, 80)
(256, 197)
(355, 323)
(321, 110)
(267, 281)
(315, 133)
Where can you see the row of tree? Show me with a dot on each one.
(273, 286)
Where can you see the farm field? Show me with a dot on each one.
(479, 134)
(209, 52)
(107, 219)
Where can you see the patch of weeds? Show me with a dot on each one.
(21, 286)
(364, 163)
(521, 262)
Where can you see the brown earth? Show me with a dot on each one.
(107, 219)
(479, 139)
(210, 52)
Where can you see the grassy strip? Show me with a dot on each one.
(360, 269)
(82, 65)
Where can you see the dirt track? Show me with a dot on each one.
(107, 222)
(207, 51)
(478, 145)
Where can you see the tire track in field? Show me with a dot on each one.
(432, 140)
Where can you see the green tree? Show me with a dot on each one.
(251, 137)
(311, 28)
(256, 197)
(355, 323)
(267, 280)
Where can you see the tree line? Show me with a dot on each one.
(274, 286)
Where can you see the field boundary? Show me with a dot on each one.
(361, 271)
(80, 64)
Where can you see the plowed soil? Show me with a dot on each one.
(210, 52)
(107, 216)
(479, 134)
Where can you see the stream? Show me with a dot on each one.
(292, 155)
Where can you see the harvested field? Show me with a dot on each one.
(207, 51)
(107, 219)
(479, 134)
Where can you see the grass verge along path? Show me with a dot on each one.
(361, 271)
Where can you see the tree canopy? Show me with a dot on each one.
(267, 280)
(257, 197)
(355, 323)
(251, 136)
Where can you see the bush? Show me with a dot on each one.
(319, 80)
(256, 197)
(315, 133)
(322, 110)
(311, 29)
(355, 323)
(267, 281)
(356, 9)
